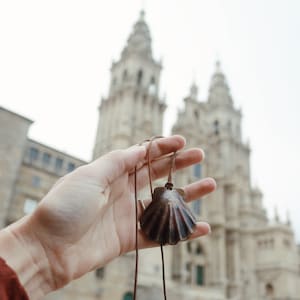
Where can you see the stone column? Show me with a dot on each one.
(218, 259)
(233, 261)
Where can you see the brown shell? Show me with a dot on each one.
(168, 220)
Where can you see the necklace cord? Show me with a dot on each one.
(163, 271)
(136, 237)
(136, 217)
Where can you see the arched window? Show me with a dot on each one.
(189, 247)
(99, 273)
(216, 127)
(199, 249)
(200, 275)
(152, 86)
(128, 296)
(269, 289)
(139, 77)
(195, 264)
(125, 75)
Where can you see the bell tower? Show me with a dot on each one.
(133, 109)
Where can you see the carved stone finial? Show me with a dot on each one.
(218, 66)
(194, 91)
(276, 216)
(142, 15)
(288, 219)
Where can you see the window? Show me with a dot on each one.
(199, 249)
(200, 275)
(125, 75)
(139, 77)
(36, 181)
(58, 164)
(100, 273)
(188, 247)
(128, 296)
(216, 127)
(33, 154)
(269, 289)
(29, 206)
(197, 171)
(152, 86)
(71, 167)
(152, 81)
(46, 159)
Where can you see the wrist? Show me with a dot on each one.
(23, 253)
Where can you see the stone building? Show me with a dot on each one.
(246, 257)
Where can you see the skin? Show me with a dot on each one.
(88, 217)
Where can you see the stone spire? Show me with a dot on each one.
(133, 109)
(194, 91)
(288, 218)
(219, 92)
(276, 216)
(139, 41)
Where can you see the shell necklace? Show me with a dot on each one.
(167, 219)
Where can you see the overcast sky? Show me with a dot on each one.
(55, 58)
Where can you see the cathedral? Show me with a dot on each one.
(246, 256)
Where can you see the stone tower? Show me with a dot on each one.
(217, 129)
(133, 110)
(239, 258)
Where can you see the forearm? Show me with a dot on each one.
(26, 257)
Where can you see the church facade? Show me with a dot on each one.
(246, 257)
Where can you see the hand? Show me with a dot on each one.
(88, 217)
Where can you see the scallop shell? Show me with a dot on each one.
(168, 220)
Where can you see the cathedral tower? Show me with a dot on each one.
(133, 110)
(235, 204)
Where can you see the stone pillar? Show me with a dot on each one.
(216, 209)
(233, 262)
(231, 193)
(248, 253)
(218, 259)
(13, 136)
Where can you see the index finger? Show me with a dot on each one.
(109, 167)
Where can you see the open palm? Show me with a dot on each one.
(88, 217)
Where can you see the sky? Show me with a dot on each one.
(55, 59)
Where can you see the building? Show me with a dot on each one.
(246, 257)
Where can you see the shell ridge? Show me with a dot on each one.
(171, 235)
(175, 232)
(179, 224)
(148, 214)
(152, 223)
(160, 234)
(189, 221)
(168, 219)
(149, 219)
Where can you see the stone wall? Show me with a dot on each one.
(13, 135)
